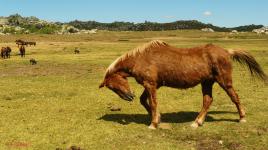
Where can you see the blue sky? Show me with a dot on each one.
(218, 12)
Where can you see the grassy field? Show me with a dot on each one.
(56, 104)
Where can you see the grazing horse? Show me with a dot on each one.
(21, 42)
(157, 64)
(30, 43)
(33, 61)
(76, 51)
(5, 52)
(22, 51)
(8, 52)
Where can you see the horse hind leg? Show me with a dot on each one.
(235, 99)
(207, 100)
(226, 84)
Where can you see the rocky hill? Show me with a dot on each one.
(16, 24)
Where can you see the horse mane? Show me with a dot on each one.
(135, 52)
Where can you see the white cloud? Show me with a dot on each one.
(207, 13)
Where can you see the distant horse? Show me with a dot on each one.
(8, 51)
(30, 43)
(76, 51)
(33, 61)
(5, 52)
(21, 42)
(157, 64)
(22, 51)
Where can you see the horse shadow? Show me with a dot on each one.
(174, 117)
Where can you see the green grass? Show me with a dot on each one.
(57, 103)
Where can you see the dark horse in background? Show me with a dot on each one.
(157, 64)
(30, 43)
(22, 51)
(5, 52)
(21, 42)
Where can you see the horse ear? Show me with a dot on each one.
(102, 85)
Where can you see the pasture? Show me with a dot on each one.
(56, 104)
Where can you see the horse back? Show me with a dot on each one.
(181, 67)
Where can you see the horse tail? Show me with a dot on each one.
(247, 59)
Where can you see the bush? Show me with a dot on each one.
(48, 30)
(43, 29)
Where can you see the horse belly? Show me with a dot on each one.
(184, 78)
(180, 82)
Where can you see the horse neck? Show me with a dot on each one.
(123, 66)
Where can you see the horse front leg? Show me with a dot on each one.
(143, 101)
(153, 105)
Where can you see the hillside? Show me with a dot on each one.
(16, 24)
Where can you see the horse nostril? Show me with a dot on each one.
(130, 97)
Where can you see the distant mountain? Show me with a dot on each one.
(18, 24)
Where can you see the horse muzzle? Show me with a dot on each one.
(128, 96)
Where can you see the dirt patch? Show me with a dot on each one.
(17, 144)
(235, 146)
(262, 131)
(115, 108)
(208, 144)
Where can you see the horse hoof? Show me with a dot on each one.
(152, 127)
(243, 120)
(194, 125)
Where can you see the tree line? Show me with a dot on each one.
(154, 26)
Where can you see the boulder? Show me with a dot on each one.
(262, 30)
(207, 30)
(67, 29)
(234, 31)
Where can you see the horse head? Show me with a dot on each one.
(117, 82)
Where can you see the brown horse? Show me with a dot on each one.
(21, 42)
(32, 43)
(157, 64)
(8, 52)
(22, 51)
(5, 52)
(76, 51)
(33, 61)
